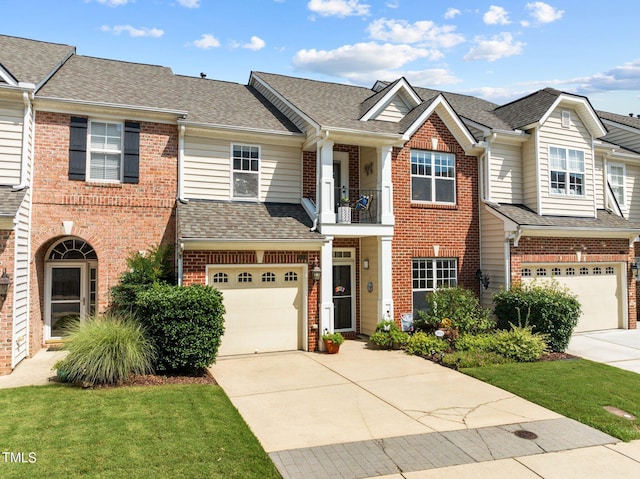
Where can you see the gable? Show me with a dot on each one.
(392, 103)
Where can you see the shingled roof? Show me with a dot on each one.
(31, 61)
(524, 216)
(229, 221)
(10, 201)
(527, 110)
(626, 120)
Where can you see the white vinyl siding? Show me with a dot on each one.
(530, 172)
(11, 120)
(633, 185)
(105, 151)
(493, 255)
(207, 170)
(576, 138)
(369, 300)
(506, 173)
(394, 111)
(600, 177)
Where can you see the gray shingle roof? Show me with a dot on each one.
(114, 82)
(529, 109)
(524, 216)
(224, 220)
(225, 103)
(626, 120)
(31, 61)
(10, 201)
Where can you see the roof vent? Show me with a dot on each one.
(631, 115)
(204, 75)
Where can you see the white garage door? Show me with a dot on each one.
(598, 287)
(263, 306)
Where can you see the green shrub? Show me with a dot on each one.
(460, 306)
(144, 269)
(549, 308)
(185, 324)
(423, 344)
(473, 359)
(475, 342)
(519, 344)
(389, 336)
(105, 350)
(335, 338)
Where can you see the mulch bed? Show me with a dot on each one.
(203, 377)
(557, 356)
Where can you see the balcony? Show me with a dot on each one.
(357, 206)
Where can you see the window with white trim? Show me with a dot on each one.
(433, 177)
(429, 274)
(105, 151)
(246, 168)
(566, 168)
(616, 177)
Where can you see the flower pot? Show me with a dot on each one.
(331, 347)
(344, 214)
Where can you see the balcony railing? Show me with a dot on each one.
(357, 206)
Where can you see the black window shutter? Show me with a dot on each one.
(78, 148)
(131, 152)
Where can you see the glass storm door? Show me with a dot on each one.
(66, 297)
(342, 298)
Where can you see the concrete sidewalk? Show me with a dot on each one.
(367, 413)
(34, 371)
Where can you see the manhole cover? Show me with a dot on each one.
(522, 434)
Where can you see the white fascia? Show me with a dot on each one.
(463, 135)
(381, 104)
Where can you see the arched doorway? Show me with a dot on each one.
(71, 284)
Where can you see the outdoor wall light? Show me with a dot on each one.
(634, 270)
(316, 272)
(483, 278)
(5, 282)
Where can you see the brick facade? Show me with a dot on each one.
(563, 250)
(418, 227)
(194, 272)
(7, 255)
(115, 219)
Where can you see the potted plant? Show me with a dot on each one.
(332, 341)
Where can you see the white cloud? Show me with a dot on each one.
(338, 8)
(113, 3)
(255, 44)
(133, 31)
(395, 4)
(423, 32)
(431, 77)
(496, 16)
(494, 48)
(621, 78)
(189, 3)
(353, 60)
(207, 41)
(543, 12)
(452, 13)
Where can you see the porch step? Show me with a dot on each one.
(54, 344)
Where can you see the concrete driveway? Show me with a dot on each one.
(615, 347)
(369, 413)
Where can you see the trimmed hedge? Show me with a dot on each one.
(185, 324)
(548, 308)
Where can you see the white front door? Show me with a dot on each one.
(66, 291)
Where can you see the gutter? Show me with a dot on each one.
(114, 105)
(239, 128)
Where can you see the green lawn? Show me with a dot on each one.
(172, 431)
(578, 389)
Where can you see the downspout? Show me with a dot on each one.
(26, 134)
(487, 168)
(605, 179)
(181, 129)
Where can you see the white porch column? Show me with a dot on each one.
(326, 287)
(385, 185)
(326, 190)
(385, 299)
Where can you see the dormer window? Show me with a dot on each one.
(566, 171)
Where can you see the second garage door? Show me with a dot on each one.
(264, 308)
(598, 287)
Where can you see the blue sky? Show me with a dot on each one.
(497, 50)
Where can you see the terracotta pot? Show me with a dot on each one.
(331, 347)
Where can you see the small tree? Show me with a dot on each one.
(144, 269)
(548, 308)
